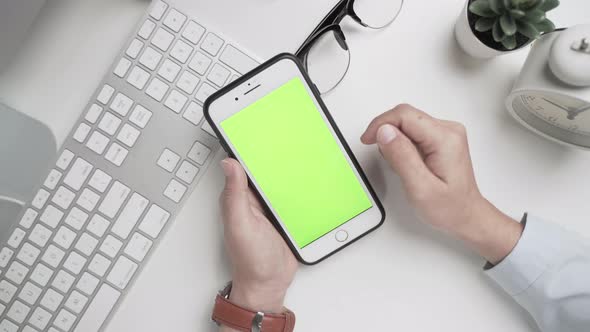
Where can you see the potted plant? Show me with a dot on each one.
(488, 28)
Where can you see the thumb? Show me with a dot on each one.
(403, 156)
(234, 198)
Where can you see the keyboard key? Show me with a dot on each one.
(150, 58)
(88, 199)
(7, 291)
(146, 29)
(212, 44)
(237, 60)
(154, 221)
(199, 153)
(64, 320)
(76, 302)
(41, 274)
(40, 318)
(64, 237)
(162, 39)
(175, 101)
(187, 172)
(93, 113)
(63, 281)
(138, 247)
(29, 217)
(193, 113)
(51, 216)
(74, 263)
(87, 283)
(76, 218)
(169, 70)
(130, 215)
(138, 77)
(40, 235)
(204, 92)
(122, 67)
(100, 180)
(111, 246)
(16, 272)
(40, 199)
(18, 312)
(158, 9)
(218, 75)
(181, 51)
(114, 199)
(5, 256)
(97, 142)
(134, 48)
(116, 154)
(193, 32)
(86, 244)
(99, 265)
(157, 89)
(174, 20)
(53, 256)
(30, 293)
(122, 272)
(168, 160)
(51, 300)
(200, 63)
(188, 82)
(98, 225)
(175, 190)
(52, 179)
(16, 238)
(128, 135)
(8, 326)
(140, 116)
(82, 132)
(109, 123)
(98, 310)
(28, 254)
(63, 197)
(64, 159)
(105, 94)
(78, 174)
(121, 104)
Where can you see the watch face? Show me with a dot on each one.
(568, 114)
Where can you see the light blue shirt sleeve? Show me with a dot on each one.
(548, 274)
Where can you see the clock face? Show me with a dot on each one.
(569, 114)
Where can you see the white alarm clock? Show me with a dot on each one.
(552, 94)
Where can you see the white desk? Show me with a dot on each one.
(404, 276)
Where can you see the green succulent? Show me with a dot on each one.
(504, 19)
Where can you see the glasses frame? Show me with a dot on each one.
(331, 22)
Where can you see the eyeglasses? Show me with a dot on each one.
(325, 54)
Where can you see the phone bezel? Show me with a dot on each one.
(219, 106)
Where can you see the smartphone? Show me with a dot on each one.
(273, 121)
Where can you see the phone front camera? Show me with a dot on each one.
(236, 98)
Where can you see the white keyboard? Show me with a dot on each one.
(131, 161)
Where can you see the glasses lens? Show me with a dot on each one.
(327, 61)
(377, 14)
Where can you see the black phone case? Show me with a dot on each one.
(316, 93)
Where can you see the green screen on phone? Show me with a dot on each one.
(297, 163)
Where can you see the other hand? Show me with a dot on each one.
(432, 158)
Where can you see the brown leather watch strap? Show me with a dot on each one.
(236, 317)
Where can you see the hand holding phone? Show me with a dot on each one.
(274, 123)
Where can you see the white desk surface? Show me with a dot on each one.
(403, 277)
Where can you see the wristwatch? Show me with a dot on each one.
(241, 319)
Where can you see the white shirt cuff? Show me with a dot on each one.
(537, 249)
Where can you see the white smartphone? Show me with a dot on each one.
(274, 123)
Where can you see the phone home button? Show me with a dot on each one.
(341, 236)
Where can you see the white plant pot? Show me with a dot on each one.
(470, 43)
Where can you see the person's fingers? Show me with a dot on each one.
(405, 159)
(418, 126)
(235, 201)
